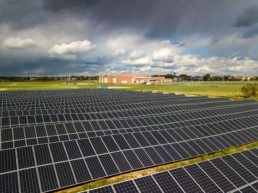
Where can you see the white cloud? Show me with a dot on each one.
(163, 54)
(18, 43)
(69, 51)
(138, 61)
(120, 52)
(136, 54)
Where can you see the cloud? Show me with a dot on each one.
(18, 43)
(138, 61)
(120, 52)
(69, 51)
(163, 54)
(136, 54)
(169, 35)
(248, 18)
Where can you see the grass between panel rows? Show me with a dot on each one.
(148, 171)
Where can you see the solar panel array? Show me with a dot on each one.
(236, 172)
(56, 139)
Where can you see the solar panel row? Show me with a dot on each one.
(236, 172)
(100, 99)
(47, 133)
(84, 107)
(101, 156)
(178, 115)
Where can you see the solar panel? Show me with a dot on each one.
(166, 182)
(108, 164)
(126, 187)
(29, 181)
(48, 178)
(200, 177)
(108, 132)
(25, 157)
(95, 167)
(64, 173)
(185, 181)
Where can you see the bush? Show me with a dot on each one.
(250, 90)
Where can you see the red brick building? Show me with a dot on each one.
(132, 79)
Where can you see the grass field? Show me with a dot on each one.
(214, 89)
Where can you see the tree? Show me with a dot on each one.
(44, 78)
(184, 77)
(226, 77)
(250, 90)
(206, 77)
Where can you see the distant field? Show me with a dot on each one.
(216, 89)
(41, 85)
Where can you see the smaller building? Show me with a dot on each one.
(133, 79)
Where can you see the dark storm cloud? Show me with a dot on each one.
(248, 18)
(46, 66)
(156, 18)
(251, 33)
(159, 19)
(57, 5)
(21, 14)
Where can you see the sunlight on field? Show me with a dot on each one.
(212, 89)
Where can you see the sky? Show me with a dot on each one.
(109, 37)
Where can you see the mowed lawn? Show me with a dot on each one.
(52, 85)
(216, 89)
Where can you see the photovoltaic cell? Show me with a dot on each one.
(86, 147)
(125, 187)
(108, 164)
(121, 142)
(172, 152)
(184, 180)
(48, 179)
(147, 184)
(25, 157)
(131, 140)
(241, 170)
(98, 145)
(202, 179)
(133, 160)
(64, 173)
(106, 189)
(143, 157)
(246, 163)
(229, 173)
(163, 154)
(166, 182)
(95, 167)
(9, 183)
(180, 150)
(7, 161)
(141, 139)
(248, 189)
(42, 154)
(18, 133)
(80, 171)
(58, 152)
(217, 176)
(29, 181)
(121, 161)
(72, 149)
